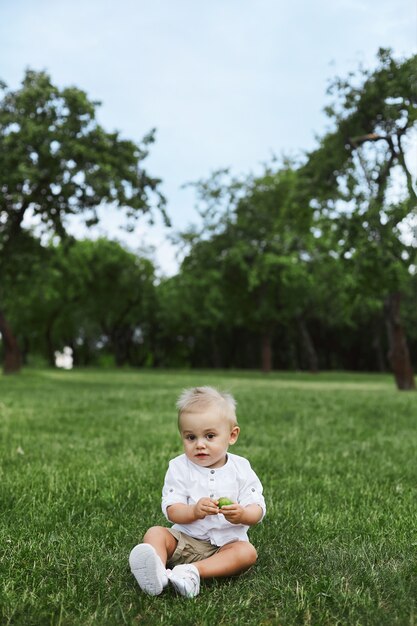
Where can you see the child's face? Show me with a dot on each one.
(206, 436)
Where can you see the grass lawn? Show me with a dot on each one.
(83, 455)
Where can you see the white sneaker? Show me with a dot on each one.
(148, 569)
(186, 580)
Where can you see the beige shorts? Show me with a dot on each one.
(189, 550)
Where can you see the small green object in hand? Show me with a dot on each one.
(224, 502)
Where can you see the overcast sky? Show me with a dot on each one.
(227, 83)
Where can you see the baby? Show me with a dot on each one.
(204, 541)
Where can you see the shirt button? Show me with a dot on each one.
(171, 490)
(211, 471)
(212, 495)
(253, 489)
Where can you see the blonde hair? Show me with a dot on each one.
(196, 398)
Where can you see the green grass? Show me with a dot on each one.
(83, 457)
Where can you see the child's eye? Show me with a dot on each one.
(190, 437)
(211, 436)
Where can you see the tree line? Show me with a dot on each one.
(309, 265)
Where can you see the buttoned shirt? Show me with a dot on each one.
(186, 482)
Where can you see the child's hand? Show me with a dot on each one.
(205, 506)
(233, 513)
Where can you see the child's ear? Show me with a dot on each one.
(234, 435)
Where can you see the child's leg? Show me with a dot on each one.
(147, 560)
(162, 540)
(231, 559)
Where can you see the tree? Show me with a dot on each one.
(352, 177)
(17, 287)
(94, 294)
(253, 246)
(56, 161)
(117, 295)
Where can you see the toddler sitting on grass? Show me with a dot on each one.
(204, 541)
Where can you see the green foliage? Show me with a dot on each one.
(82, 461)
(249, 246)
(56, 159)
(267, 262)
(301, 258)
(359, 179)
(87, 294)
(322, 241)
(371, 107)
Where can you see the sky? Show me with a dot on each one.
(226, 83)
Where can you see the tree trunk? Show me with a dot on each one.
(49, 345)
(398, 353)
(377, 346)
(266, 352)
(216, 357)
(121, 341)
(308, 346)
(12, 358)
(25, 350)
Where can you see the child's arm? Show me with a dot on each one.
(186, 513)
(248, 515)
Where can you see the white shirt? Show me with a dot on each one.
(186, 483)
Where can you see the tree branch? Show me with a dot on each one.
(356, 141)
(401, 161)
